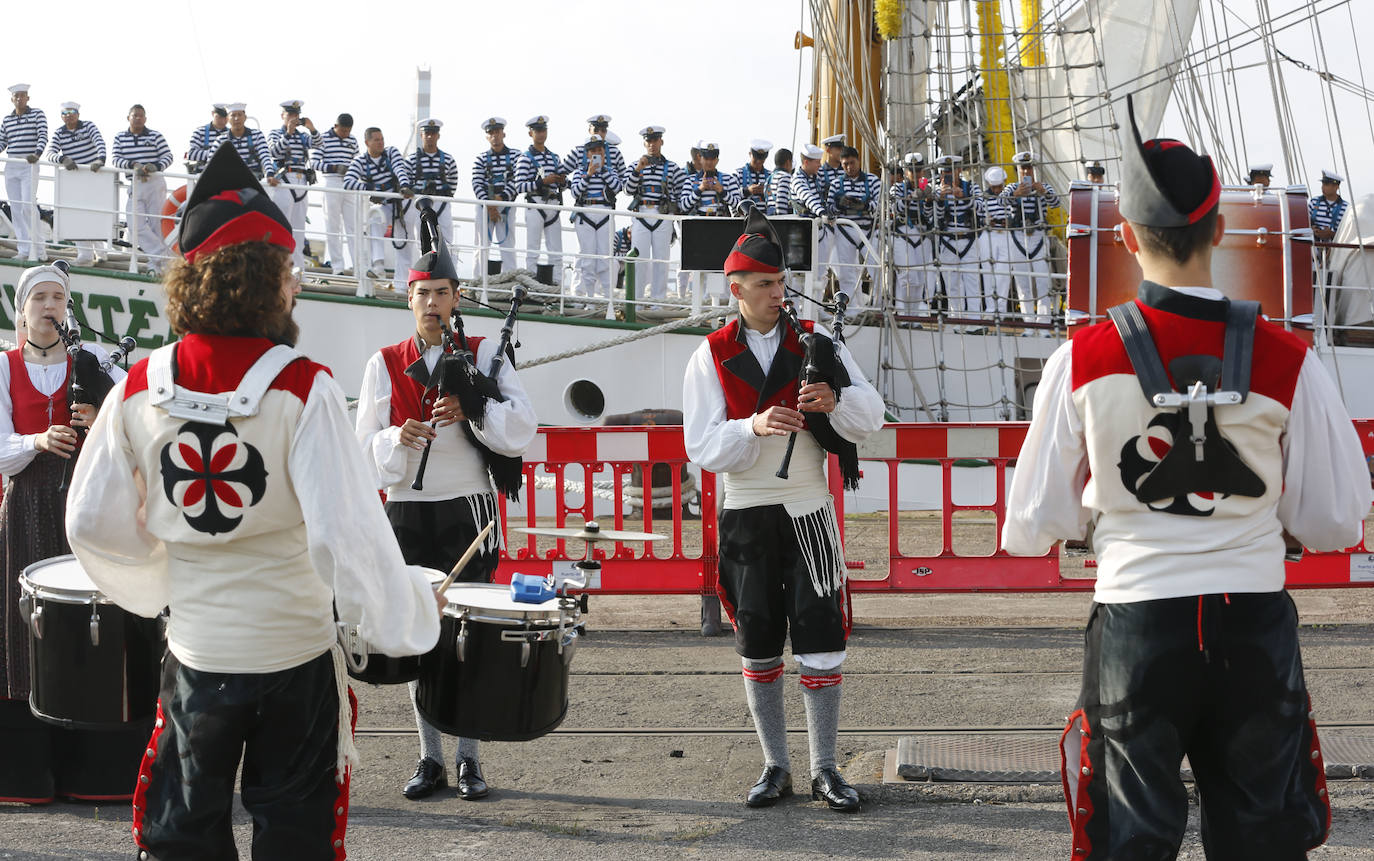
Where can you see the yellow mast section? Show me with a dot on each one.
(1032, 43)
(996, 84)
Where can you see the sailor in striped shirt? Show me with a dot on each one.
(853, 195)
(335, 150)
(250, 143)
(202, 144)
(594, 186)
(435, 173)
(909, 200)
(538, 177)
(290, 146)
(77, 143)
(708, 191)
(145, 152)
(1029, 202)
(956, 223)
(994, 242)
(1325, 213)
(493, 178)
(599, 125)
(780, 184)
(753, 177)
(23, 134)
(806, 193)
(655, 183)
(382, 168)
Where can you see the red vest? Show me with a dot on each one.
(33, 411)
(747, 389)
(408, 399)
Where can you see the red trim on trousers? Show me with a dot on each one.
(1318, 763)
(1078, 818)
(341, 805)
(145, 776)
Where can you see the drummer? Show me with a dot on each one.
(37, 441)
(254, 512)
(397, 419)
(781, 564)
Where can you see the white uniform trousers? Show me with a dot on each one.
(594, 249)
(825, 248)
(651, 237)
(499, 232)
(959, 269)
(994, 252)
(294, 210)
(851, 259)
(144, 215)
(1030, 252)
(403, 240)
(19, 190)
(544, 228)
(340, 225)
(911, 257)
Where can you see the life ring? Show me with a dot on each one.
(171, 213)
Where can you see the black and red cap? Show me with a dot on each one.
(435, 262)
(1163, 182)
(228, 207)
(758, 250)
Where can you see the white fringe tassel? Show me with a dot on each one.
(818, 536)
(347, 758)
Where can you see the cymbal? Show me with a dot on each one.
(591, 532)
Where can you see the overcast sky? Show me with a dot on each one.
(709, 69)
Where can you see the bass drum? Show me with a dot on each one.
(500, 671)
(93, 664)
(375, 668)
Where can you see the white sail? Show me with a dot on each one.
(907, 62)
(1352, 269)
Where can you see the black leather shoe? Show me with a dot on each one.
(835, 791)
(471, 786)
(429, 776)
(774, 783)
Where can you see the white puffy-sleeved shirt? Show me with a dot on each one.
(728, 446)
(1093, 432)
(18, 450)
(455, 467)
(253, 529)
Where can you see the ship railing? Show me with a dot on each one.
(937, 492)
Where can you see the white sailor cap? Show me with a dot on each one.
(292, 106)
(599, 120)
(833, 140)
(652, 131)
(1262, 168)
(709, 149)
(612, 139)
(949, 161)
(594, 140)
(994, 176)
(493, 123)
(914, 158)
(236, 106)
(19, 88)
(539, 121)
(431, 123)
(1023, 158)
(810, 150)
(760, 145)
(1332, 176)
(71, 106)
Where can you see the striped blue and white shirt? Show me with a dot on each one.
(292, 150)
(202, 144)
(1326, 214)
(747, 176)
(910, 212)
(657, 183)
(388, 172)
(82, 144)
(577, 158)
(595, 189)
(252, 148)
(333, 154)
(957, 214)
(493, 174)
(532, 166)
(993, 210)
(780, 193)
(24, 134)
(694, 201)
(150, 147)
(807, 193)
(854, 198)
(435, 173)
(1031, 211)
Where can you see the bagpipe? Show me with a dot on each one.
(821, 363)
(88, 378)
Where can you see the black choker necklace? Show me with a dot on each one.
(44, 350)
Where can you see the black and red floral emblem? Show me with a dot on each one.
(1142, 454)
(212, 476)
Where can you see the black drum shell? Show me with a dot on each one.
(489, 695)
(386, 670)
(102, 687)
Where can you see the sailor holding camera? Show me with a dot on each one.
(291, 146)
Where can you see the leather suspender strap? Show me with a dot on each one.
(1140, 349)
(1240, 347)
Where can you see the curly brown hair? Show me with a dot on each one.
(233, 291)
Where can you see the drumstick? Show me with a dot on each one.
(467, 555)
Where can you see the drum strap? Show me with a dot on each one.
(207, 408)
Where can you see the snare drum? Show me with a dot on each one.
(93, 664)
(500, 671)
(373, 667)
